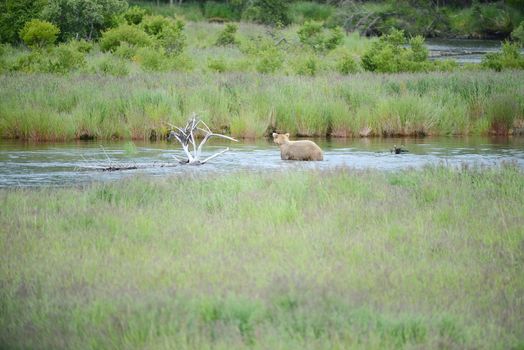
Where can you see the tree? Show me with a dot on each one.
(13, 16)
(38, 34)
(83, 18)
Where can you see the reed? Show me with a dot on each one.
(51, 107)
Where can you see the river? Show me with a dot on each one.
(26, 164)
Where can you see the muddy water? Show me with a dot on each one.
(59, 164)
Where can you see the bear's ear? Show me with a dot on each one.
(287, 135)
(275, 135)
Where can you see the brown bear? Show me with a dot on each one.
(297, 150)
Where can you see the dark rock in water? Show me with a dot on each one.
(398, 149)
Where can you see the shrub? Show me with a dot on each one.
(314, 35)
(151, 59)
(269, 60)
(168, 32)
(37, 33)
(217, 65)
(508, 58)
(83, 18)
(125, 51)
(111, 65)
(81, 45)
(227, 35)
(271, 12)
(390, 55)
(346, 64)
(65, 58)
(125, 33)
(518, 33)
(307, 66)
(304, 11)
(223, 11)
(134, 15)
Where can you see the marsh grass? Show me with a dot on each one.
(51, 107)
(424, 259)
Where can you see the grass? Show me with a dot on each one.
(413, 259)
(53, 107)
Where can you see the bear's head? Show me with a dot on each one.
(280, 139)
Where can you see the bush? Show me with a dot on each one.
(168, 32)
(346, 64)
(81, 45)
(227, 35)
(134, 15)
(307, 66)
(151, 60)
(307, 11)
(110, 65)
(271, 12)
(269, 60)
(38, 34)
(314, 35)
(65, 58)
(217, 65)
(389, 55)
(508, 58)
(518, 33)
(83, 18)
(125, 33)
(223, 11)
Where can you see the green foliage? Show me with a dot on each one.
(38, 34)
(490, 19)
(269, 60)
(135, 15)
(509, 58)
(227, 35)
(307, 65)
(131, 35)
(61, 59)
(314, 35)
(14, 14)
(110, 65)
(217, 65)
(221, 11)
(271, 12)
(300, 12)
(83, 18)
(346, 64)
(151, 59)
(388, 54)
(168, 32)
(66, 58)
(518, 33)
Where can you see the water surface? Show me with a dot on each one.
(59, 164)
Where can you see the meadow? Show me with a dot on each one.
(360, 259)
(250, 105)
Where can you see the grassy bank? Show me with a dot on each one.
(424, 259)
(51, 107)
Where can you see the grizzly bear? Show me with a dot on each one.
(297, 150)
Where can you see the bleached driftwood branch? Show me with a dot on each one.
(186, 136)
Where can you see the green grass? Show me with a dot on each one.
(339, 259)
(53, 107)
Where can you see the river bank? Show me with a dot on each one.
(51, 107)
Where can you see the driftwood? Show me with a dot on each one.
(187, 137)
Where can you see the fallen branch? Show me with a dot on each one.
(186, 136)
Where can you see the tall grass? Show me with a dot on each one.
(342, 259)
(47, 107)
